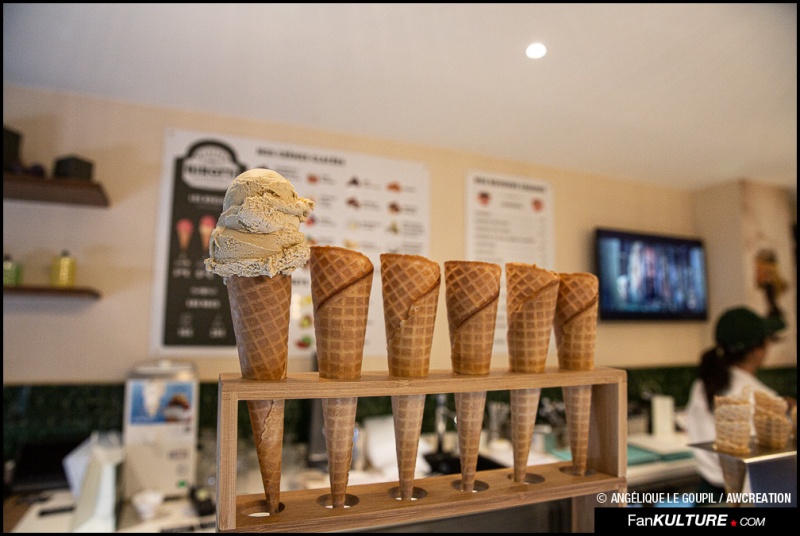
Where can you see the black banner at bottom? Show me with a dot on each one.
(606, 519)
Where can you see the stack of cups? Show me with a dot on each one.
(732, 425)
(770, 420)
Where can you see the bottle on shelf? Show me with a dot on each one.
(62, 271)
(12, 271)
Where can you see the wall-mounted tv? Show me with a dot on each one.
(650, 277)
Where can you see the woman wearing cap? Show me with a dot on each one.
(742, 339)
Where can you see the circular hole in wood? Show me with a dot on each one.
(479, 485)
(416, 494)
(570, 470)
(327, 500)
(530, 478)
(260, 509)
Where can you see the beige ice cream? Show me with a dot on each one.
(258, 230)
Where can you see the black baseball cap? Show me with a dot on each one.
(741, 329)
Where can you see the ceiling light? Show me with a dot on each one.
(536, 51)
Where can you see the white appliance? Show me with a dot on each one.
(160, 428)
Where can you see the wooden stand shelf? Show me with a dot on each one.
(69, 191)
(301, 512)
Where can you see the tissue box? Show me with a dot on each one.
(11, 143)
(72, 167)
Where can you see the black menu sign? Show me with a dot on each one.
(370, 204)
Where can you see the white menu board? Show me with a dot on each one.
(369, 204)
(508, 219)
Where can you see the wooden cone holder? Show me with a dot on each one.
(302, 511)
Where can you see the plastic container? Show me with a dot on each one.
(62, 271)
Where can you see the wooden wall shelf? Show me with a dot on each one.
(68, 191)
(607, 458)
(42, 290)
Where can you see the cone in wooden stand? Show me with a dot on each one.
(407, 413)
(339, 415)
(341, 281)
(260, 312)
(266, 420)
(531, 296)
(575, 327)
(410, 286)
(472, 290)
(524, 408)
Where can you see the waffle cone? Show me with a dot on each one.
(341, 281)
(772, 430)
(575, 322)
(410, 286)
(531, 295)
(407, 412)
(770, 403)
(472, 293)
(260, 313)
(469, 421)
(524, 406)
(733, 473)
(339, 416)
(741, 399)
(732, 437)
(578, 405)
(266, 419)
(732, 413)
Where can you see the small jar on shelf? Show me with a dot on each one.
(62, 271)
(12, 271)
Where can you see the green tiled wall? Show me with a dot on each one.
(45, 412)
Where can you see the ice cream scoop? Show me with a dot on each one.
(258, 230)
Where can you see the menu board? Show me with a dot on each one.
(509, 219)
(370, 204)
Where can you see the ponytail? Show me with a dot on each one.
(715, 371)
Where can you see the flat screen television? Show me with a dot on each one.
(650, 277)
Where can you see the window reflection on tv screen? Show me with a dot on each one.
(645, 276)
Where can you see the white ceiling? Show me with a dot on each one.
(684, 95)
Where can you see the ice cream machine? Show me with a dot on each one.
(160, 428)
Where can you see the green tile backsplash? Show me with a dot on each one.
(33, 413)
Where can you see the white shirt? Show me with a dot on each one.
(700, 420)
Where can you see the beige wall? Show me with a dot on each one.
(737, 219)
(68, 340)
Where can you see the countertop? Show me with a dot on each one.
(56, 511)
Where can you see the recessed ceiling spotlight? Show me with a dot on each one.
(536, 51)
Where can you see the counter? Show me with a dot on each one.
(55, 514)
(178, 516)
